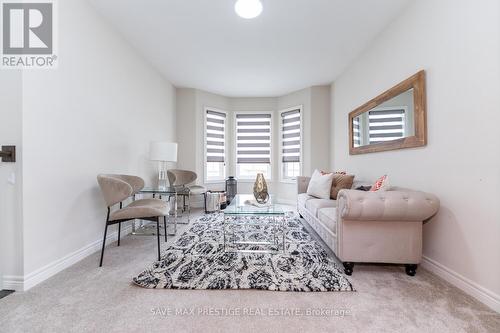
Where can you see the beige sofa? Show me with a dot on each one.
(380, 227)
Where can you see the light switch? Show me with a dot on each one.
(12, 178)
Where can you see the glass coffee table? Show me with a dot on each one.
(248, 228)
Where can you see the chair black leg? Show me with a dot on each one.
(103, 244)
(158, 236)
(205, 195)
(165, 226)
(119, 232)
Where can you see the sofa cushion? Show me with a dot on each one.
(302, 199)
(328, 216)
(313, 205)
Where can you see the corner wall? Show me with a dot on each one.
(96, 113)
(11, 222)
(458, 44)
(316, 119)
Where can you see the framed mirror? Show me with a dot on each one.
(396, 119)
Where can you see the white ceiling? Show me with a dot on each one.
(294, 43)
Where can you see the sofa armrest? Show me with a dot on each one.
(386, 205)
(302, 184)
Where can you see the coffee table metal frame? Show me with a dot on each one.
(238, 215)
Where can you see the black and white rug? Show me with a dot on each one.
(197, 261)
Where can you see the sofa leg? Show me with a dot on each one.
(411, 269)
(348, 267)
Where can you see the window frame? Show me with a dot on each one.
(205, 163)
(282, 178)
(235, 144)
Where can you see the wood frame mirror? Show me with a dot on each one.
(417, 119)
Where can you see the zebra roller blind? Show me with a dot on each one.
(216, 124)
(290, 131)
(253, 138)
(356, 132)
(386, 125)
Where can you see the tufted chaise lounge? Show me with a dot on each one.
(380, 227)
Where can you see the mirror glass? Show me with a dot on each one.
(392, 120)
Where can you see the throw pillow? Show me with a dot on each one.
(382, 184)
(320, 184)
(363, 188)
(340, 181)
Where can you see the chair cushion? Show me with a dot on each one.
(141, 208)
(302, 198)
(197, 189)
(328, 216)
(313, 205)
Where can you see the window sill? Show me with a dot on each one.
(252, 180)
(222, 181)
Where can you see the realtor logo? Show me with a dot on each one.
(28, 35)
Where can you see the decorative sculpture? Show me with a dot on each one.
(260, 189)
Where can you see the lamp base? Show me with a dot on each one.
(162, 176)
(162, 184)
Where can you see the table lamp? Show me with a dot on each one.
(163, 152)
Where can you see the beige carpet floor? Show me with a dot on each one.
(85, 298)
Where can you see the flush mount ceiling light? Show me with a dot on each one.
(248, 9)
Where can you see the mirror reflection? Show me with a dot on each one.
(391, 120)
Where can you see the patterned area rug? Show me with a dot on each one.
(197, 260)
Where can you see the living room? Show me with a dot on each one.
(249, 130)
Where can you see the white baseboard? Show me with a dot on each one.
(13, 282)
(197, 204)
(26, 282)
(470, 287)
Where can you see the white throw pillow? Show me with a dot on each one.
(320, 184)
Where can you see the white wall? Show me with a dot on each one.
(458, 44)
(319, 129)
(10, 194)
(96, 113)
(186, 124)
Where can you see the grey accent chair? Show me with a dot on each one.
(183, 178)
(116, 189)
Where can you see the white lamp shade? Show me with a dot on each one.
(163, 151)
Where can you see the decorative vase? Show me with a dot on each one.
(260, 189)
(231, 188)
